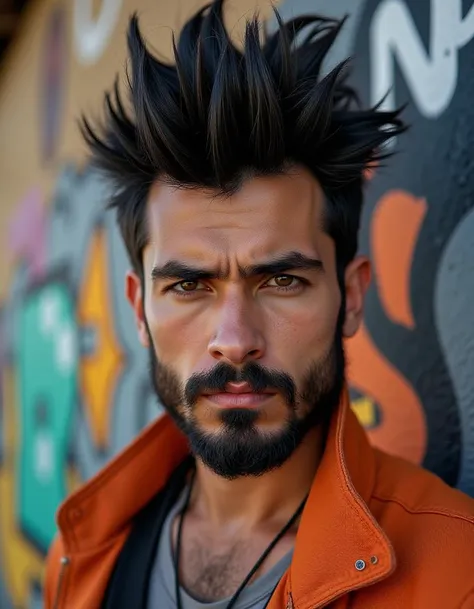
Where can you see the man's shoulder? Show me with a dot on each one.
(417, 492)
(431, 529)
(421, 514)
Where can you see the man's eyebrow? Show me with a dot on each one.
(283, 263)
(174, 269)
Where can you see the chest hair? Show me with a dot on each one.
(210, 575)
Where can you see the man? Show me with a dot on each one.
(238, 188)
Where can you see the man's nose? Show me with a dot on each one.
(237, 337)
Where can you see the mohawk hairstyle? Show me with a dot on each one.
(219, 115)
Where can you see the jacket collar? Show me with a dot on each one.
(336, 532)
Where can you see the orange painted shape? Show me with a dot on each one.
(402, 430)
(396, 222)
(99, 370)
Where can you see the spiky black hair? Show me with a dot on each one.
(219, 115)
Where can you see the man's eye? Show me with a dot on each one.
(284, 281)
(186, 286)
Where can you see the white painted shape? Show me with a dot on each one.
(91, 35)
(466, 28)
(48, 312)
(65, 349)
(431, 77)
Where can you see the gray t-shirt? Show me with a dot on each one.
(162, 582)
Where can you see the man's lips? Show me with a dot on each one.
(238, 395)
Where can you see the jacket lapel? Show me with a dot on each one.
(108, 503)
(340, 547)
(129, 584)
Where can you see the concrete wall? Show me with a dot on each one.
(73, 380)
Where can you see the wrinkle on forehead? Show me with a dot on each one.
(267, 215)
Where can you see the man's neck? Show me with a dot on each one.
(272, 497)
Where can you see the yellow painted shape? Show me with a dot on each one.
(364, 408)
(98, 371)
(74, 479)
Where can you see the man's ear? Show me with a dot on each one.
(135, 296)
(356, 280)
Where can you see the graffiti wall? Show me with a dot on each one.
(73, 379)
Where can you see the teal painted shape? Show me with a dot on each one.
(46, 369)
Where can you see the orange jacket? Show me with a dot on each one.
(376, 532)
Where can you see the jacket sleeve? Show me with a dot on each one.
(53, 562)
(468, 602)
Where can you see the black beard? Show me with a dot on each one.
(240, 448)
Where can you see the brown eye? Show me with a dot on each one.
(283, 281)
(188, 286)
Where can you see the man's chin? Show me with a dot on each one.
(244, 451)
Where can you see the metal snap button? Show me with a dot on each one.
(360, 565)
(374, 560)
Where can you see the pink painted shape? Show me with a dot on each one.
(27, 234)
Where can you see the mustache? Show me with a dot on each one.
(258, 377)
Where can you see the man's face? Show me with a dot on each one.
(243, 316)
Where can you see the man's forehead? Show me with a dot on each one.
(266, 218)
(295, 193)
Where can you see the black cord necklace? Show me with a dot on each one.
(252, 571)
